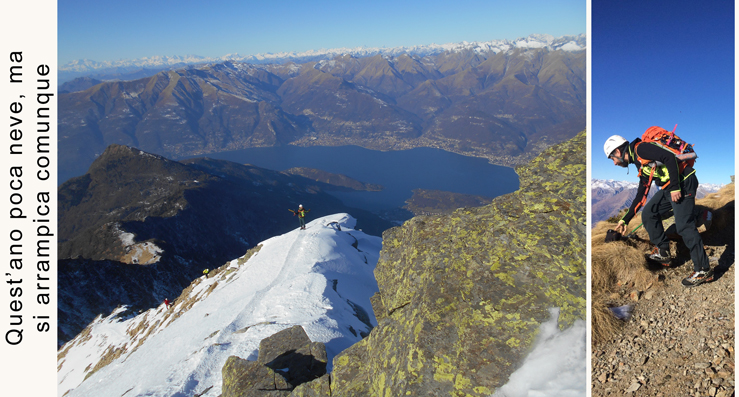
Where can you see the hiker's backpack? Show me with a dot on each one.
(666, 139)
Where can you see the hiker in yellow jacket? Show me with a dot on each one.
(301, 215)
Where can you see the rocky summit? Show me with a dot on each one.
(461, 296)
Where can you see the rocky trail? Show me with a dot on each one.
(679, 341)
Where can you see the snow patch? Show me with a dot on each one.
(555, 367)
(571, 46)
(140, 253)
(126, 238)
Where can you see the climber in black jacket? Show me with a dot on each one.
(679, 185)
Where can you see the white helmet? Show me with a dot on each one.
(300, 205)
(613, 143)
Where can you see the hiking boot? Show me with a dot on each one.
(660, 255)
(698, 278)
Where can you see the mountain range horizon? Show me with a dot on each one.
(504, 102)
(536, 40)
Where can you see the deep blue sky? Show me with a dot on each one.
(664, 63)
(107, 31)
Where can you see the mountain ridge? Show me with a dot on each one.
(461, 299)
(566, 43)
(505, 107)
(138, 226)
(319, 278)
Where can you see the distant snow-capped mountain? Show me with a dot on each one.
(609, 186)
(565, 43)
(85, 65)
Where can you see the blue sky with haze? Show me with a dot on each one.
(664, 63)
(108, 31)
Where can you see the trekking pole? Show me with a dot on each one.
(640, 225)
(633, 231)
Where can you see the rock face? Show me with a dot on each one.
(286, 359)
(462, 295)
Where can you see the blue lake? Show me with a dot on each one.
(398, 171)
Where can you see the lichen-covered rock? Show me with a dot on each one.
(463, 295)
(243, 378)
(286, 360)
(317, 388)
(377, 307)
(287, 340)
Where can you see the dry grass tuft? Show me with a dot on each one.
(722, 205)
(604, 324)
(619, 263)
(615, 266)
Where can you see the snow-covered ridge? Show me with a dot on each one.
(611, 185)
(565, 43)
(320, 278)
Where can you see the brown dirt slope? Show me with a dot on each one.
(679, 341)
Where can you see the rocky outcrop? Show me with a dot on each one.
(462, 296)
(286, 360)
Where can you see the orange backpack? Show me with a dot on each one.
(683, 152)
(668, 140)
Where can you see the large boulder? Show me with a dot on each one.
(286, 360)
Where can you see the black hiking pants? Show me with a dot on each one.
(660, 205)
